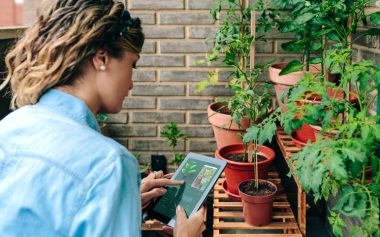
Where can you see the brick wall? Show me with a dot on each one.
(167, 75)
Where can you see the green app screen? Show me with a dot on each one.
(197, 176)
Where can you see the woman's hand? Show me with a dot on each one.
(192, 227)
(153, 185)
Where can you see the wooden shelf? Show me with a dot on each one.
(288, 149)
(229, 220)
(228, 214)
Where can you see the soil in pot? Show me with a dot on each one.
(236, 171)
(239, 157)
(264, 189)
(257, 203)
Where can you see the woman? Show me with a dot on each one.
(58, 175)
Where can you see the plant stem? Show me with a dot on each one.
(246, 148)
(256, 168)
(242, 60)
(363, 173)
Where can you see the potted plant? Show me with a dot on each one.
(173, 135)
(257, 194)
(345, 166)
(342, 161)
(342, 164)
(294, 17)
(318, 26)
(233, 39)
(249, 104)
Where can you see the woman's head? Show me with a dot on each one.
(66, 36)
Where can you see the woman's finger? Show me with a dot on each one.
(168, 176)
(156, 183)
(152, 194)
(153, 175)
(180, 215)
(158, 174)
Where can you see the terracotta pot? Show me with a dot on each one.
(236, 172)
(297, 141)
(329, 135)
(292, 78)
(279, 89)
(226, 131)
(257, 210)
(288, 80)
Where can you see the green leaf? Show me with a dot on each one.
(267, 133)
(212, 79)
(375, 18)
(296, 124)
(355, 231)
(336, 166)
(322, 32)
(353, 154)
(352, 202)
(303, 18)
(251, 134)
(316, 60)
(333, 36)
(293, 46)
(352, 129)
(293, 66)
(316, 46)
(355, 169)
(372, 32)
(285, 27)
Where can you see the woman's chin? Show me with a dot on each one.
(111, 110)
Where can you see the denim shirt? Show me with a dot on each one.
(59, 176)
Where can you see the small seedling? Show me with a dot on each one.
(173, 135)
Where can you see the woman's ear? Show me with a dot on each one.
(100, 60)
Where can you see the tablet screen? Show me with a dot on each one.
(199, 176)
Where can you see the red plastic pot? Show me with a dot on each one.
(297, 141)
(305, 133)
(257, 210)
(236, 172)
(308, 132)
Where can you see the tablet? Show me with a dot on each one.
(200, 173)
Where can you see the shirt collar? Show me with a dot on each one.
(70, 106)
